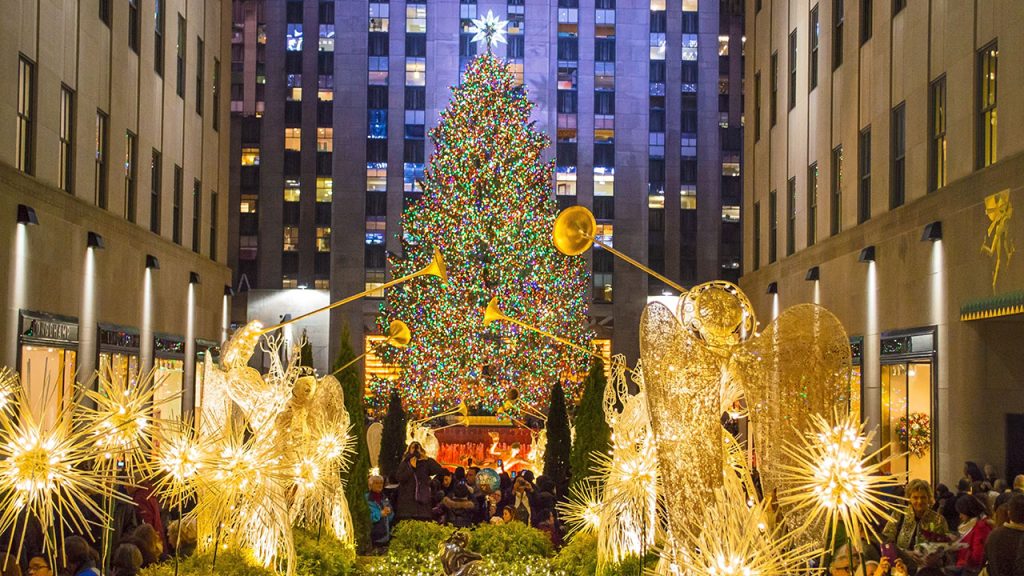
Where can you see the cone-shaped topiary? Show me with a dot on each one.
(592, 432)
(392, 441)
(556, 457)
(359, 471)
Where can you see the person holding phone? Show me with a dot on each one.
(415, 495)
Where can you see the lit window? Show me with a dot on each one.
(250, 156)
(723, 45)
(656, 201)
(324, 139)
(602, 287)
(604, 185)
(374, 280)
(603, 234)
(323, 239)
(379, 13)
(565, 184)
(375, 229)
(657, 46)
(287, 282)
(690, 47)
(657, 5)
(248, 204)
(689, 5)
(731, 166)
(730, 213)
(293, 139)
(322, 284)
(325, 95)
(415, 17)
(294, 94)
(291, 238)
(293, 39)
(292, 194)
(327, 37)
(415, 69)
(688, 197)
(324, 189)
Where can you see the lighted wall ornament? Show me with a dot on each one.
(998, 242)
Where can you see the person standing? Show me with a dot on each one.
(974, 531)
(415, 496)
(1004, 548)
(381, 513)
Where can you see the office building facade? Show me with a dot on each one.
(642, 101)
(880, 184)
(113, 192)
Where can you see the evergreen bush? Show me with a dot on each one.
(358, 472)
(556, 457)
(392, 441)
(592, 432)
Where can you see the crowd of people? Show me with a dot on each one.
(979, 529)
(137, 539)
(427, 491)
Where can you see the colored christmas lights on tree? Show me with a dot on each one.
(487, 206)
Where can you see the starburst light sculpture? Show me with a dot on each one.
(733, 538)
(47, 473)
(121, 422)
(834, 478)
(581, 512)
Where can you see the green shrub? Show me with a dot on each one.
(415, 537)
(579, 556)
(358, 472)
(508, 542)
(229, 563)
(326, 557)
(400, 564)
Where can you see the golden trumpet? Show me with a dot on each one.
(463, 411)
(494, 313)
(399, 336)
(460, 408)
(575, 232)
(435, 268)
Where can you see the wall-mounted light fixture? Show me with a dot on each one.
(813, 274)
(96, 241)
(152, 262)
(193, 277)
(773, 288)
(27, 215)
(867, 254)
(932, 231)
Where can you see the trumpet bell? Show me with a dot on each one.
(399, 335)
(493, 313)
(436, 267)
(574, 230)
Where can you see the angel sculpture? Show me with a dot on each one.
(797, 368)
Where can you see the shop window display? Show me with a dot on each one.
(48, 375)
(168, 387)
(906, 405)
(120, 366)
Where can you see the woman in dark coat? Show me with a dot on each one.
(415, 497)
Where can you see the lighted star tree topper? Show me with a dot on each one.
(487, 206)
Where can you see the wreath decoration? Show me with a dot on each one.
(915, 433)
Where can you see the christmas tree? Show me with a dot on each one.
(355, 478)
(487, 206)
